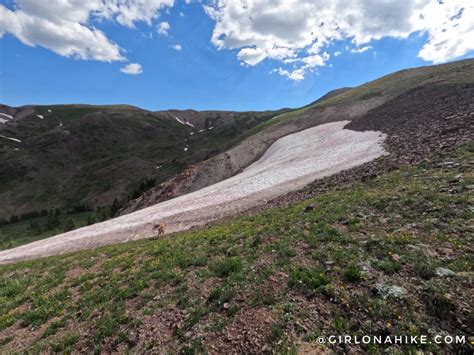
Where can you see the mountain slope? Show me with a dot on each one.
(75, 156)
(385, 257)
(382, 249)
(453, 80)
(288, 165)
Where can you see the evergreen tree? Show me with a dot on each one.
(34, 227)
(91, 219)
(115, 207)
(53, 220)
(69, 225)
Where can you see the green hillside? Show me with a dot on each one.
(81, 158)
(388, 256)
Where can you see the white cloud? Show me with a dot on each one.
(64, 26)
(127, 12)
(307, 63)
(163, 28)
(450, 29)
(132, 69)
(337, 54)
(296, 75)
(251, 56)
(361, 49)
(177, 47)
(294, 31)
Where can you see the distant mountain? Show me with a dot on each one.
(83, 156)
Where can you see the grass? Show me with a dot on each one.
(16, 234)
(298, 274)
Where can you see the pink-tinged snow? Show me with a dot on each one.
(289, 164)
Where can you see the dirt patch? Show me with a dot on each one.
(246, 334)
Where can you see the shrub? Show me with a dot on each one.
(353, 273)
(310, 278)
(225, 267)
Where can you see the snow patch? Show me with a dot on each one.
(49, 110)
(278, 116)
(10, 138)
(40, 116)
(177, 119)
(201, 130)
(189, 124)
(185, 149)
(6, 117)
(210, 128)
(191, 133)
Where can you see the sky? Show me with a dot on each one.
(218, 54)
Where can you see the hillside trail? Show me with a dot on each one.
(288, 165)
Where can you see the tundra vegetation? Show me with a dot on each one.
(391, 255)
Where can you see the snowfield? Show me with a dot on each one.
(289, 164)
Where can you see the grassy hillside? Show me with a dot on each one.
(32, 229)
(388, 256)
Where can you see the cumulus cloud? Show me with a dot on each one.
(297, 32)
(177, 47)
(450, 29)
(132, 69)
(251, 56)
(64, 26)
(163, 28)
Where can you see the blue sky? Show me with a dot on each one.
(207, 73)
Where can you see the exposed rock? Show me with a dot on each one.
(444, 272)
(390, 291)
(395, 257)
